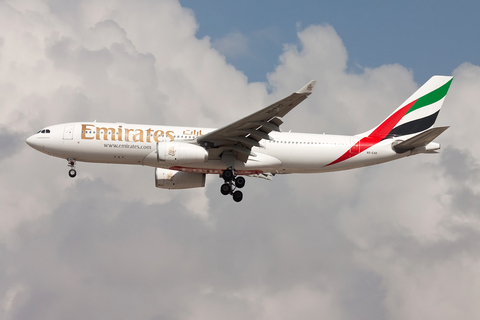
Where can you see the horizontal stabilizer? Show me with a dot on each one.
(420, 140)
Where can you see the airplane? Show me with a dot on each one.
(253, 146)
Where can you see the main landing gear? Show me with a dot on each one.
(232, 182)
(72, 172)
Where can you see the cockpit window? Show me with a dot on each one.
(48, 130)
(44, 131)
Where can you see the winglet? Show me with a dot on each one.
(308, 88)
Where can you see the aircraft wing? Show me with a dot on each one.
(240, 136)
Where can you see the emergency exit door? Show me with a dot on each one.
(68, 133)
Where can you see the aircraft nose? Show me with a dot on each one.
(32, 142)
(29, 141)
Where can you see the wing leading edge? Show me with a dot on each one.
(240, 136)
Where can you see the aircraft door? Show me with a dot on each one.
(354, 146)
(68, 133)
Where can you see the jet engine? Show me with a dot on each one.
(172, 179)
(180, 153)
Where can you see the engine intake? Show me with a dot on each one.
(172, 179)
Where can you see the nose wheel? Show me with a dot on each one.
(232, 182)
(72, 172)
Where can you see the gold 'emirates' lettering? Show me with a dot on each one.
(138, 137)
(127, 134)
(105, 133)
(149, 132)
(157, 134)
(120, 133)
(84, 131)
(91, 132)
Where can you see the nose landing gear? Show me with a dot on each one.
(72, 172)
(232, 182)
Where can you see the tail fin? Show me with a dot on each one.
(417, 113)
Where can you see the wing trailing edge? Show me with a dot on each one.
(240, 136)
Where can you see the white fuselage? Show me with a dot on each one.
(137, 144)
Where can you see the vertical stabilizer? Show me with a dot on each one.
(418, 113)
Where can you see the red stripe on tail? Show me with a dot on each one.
(376, 136)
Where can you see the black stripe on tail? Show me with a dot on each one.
(413, 126)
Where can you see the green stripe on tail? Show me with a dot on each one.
(431, 97)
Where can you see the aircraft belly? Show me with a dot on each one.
(103, 152)
(316, 158)
(306, 159)
(259, 163)
(295, 159)
(377, 154)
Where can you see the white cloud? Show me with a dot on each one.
(233, 45)
(388, 242)
(302, 303)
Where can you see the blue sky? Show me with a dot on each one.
(428, 37)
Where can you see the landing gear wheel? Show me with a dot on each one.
(72, 172)
(225, 189)
(228, 175)
(237, 196)
(240, 182)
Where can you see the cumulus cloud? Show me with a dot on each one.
(232, 45)
(10, 142)
(395, 241)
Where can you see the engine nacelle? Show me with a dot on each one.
(172, 179)
(180, 153)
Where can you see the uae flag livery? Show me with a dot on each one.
(417, 114)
